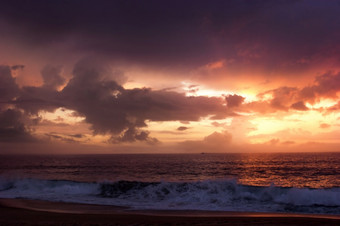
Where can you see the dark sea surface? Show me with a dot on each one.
(280, 182)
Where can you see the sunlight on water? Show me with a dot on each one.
(307, 183)
(314, 170)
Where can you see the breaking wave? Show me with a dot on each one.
(222, 195)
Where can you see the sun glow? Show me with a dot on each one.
(267, 125)
(324, 103)
(312, 122)
(200, 90)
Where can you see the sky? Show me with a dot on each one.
(169, 76)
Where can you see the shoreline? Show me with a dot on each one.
(36, 212)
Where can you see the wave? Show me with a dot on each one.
(224, 195)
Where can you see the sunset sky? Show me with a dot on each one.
(169, 76)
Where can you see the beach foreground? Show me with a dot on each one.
(29, 212)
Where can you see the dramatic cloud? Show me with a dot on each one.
(107, 106)
(234, 100)
(299, 106)
(8, 87)
(52, 77)
(110, 108)
(12, 125)
(282, 96)
(254, 33)
(285, 98)
(250, 67)
(34, 99)
(132, 135)
(326, 86)
(13, 128)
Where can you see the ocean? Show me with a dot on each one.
(271, 182)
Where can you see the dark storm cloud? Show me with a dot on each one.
(234, 100)
(278, 34)
(132, 135)
(34, 99)
(110, 108)
(52, 77)
(123, 113)
(107, 106)
(13, 128)
(13, 122)
(8, 87)
(299, 106)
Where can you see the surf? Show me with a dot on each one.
(214, 195)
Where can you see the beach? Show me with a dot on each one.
(169, 112)
(34, 212)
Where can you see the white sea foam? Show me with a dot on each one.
(200, 195)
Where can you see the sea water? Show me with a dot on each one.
(280, 182)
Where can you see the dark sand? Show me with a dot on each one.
(29, 212)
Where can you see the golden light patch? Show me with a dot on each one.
(133, 85)
(302, 125)
(191, 89)
(265, 97)
(267, 125)
(195, 130)
(249, 95)
(324, 103)
(208, 93)
(61, 115)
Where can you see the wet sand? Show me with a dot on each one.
(32, 212)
